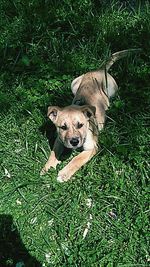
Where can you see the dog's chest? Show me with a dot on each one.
(89, 143)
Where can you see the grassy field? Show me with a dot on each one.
(100, 217)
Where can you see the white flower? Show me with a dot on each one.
(7, 174)
(87, 226)
(18, 150)
(48, 257)
(50, 222)
(18, 202)
(33, 220)
(65, 248)
(88, 202)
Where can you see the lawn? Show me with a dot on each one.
(100, 216)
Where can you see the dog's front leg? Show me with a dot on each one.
(75, 164)
(54, 157)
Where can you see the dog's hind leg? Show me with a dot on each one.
(76, 83)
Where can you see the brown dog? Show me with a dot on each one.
(78, 125)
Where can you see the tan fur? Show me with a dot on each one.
(78, 124)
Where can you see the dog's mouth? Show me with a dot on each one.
(74, 143)
(73, 146)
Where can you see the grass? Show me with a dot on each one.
(51, 217)
(100, 217)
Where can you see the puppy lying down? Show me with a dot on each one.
(78, 125)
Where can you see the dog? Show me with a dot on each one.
(78, 125)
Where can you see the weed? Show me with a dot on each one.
(43, 46)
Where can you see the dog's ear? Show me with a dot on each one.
(88, 111)
(52, 113)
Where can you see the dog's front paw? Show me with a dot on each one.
(63, 176)
(43, 171)
(49, 165)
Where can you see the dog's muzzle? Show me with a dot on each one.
(74, 141)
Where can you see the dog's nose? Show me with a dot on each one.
(74, 141)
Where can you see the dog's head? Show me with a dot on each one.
(72, 123)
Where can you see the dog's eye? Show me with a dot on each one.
(79, 125)
(64, 127)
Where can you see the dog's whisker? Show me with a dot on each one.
(110, 118)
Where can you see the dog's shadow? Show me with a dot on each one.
(49, 130)
(12, 250)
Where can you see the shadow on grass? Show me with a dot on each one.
(12, 251)
(49, 129)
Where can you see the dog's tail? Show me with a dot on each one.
(116, 56)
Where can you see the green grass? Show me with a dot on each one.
(51, 217)
(43, 222)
